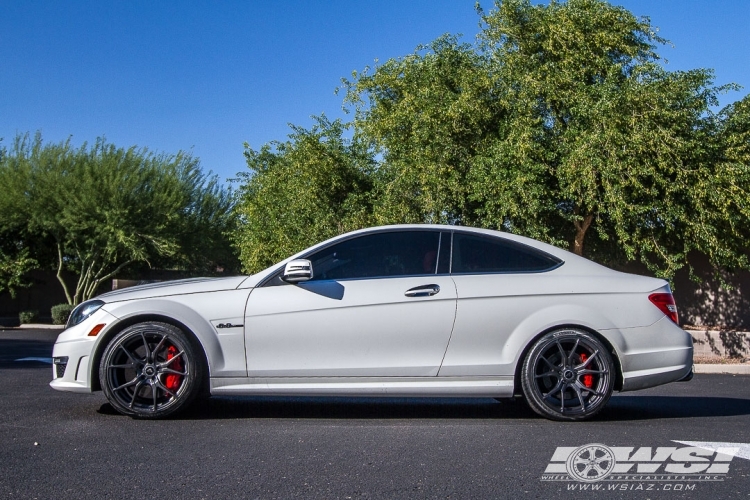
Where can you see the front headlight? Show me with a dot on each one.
(83, 311)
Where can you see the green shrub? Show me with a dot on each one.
(27, 317)
(60, 313)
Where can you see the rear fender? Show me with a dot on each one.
(552, 318)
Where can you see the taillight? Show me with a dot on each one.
(665, 303)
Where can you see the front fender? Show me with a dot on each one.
(151, 309)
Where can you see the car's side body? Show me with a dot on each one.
(362, 337)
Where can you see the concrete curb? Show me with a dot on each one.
(35, 326)
(743, 369)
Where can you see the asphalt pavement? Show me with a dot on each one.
(62, 445)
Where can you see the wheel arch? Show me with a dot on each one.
(145, 318)
(525, 351)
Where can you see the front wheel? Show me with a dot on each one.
(150, 370)
(568, 375)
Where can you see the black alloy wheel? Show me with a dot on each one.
(568, 375)
(151, 370)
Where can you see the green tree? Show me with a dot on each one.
(103, 208)
(626, 148)
(427, 114)
(563, 125)
(15, 259)
(14, 264)
(311, 187)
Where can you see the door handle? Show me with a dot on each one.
(422, 291)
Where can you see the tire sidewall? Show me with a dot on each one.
(528, 381)
(191, 385)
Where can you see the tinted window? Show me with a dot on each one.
(485, 254)
(397, 253)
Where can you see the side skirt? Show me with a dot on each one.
(493, 387)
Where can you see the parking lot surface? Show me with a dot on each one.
(60, 445)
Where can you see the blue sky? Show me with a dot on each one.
(208, 76)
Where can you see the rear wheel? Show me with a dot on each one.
(151, 370)
(568, 375)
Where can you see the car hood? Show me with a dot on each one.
(176, 287)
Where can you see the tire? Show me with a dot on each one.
(151, 370)
(568, 375)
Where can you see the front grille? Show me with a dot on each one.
(60, 364)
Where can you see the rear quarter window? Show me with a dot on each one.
(474, 254)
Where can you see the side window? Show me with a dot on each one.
(485, 254)
(395, 253)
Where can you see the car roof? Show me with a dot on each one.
(545, 247)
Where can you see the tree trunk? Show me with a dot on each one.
(581, 228)
(92, 285)
(59, 274)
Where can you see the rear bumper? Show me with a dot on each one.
(655, 355)
(688, 377)
(658, 376)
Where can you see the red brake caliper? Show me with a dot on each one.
(172, 381)
(588, 379)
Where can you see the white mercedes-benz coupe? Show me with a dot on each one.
(409, 310)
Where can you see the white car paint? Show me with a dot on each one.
(372, 330)
(468, 340)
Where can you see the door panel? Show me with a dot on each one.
(364, 327)
(500, 285)
(488, 311)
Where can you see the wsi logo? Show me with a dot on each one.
(698, 461)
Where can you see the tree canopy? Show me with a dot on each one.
(298, 192)
(102, 208)
(571, 132)
(560, 123)
(428, 115)
(622, 146)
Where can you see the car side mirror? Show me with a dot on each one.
(297, 270)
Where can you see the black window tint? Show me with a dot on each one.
(485, 254)
(397, 253)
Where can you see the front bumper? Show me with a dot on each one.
(74, 373)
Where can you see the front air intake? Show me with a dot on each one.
(61, 364)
